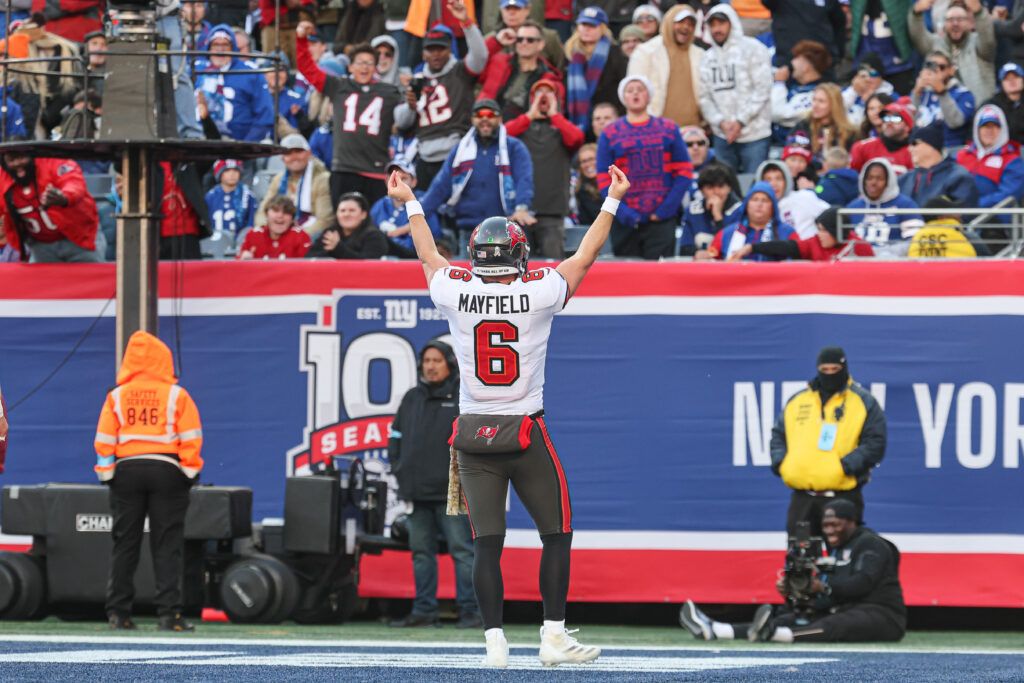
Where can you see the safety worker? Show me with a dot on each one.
(147, 449)
(3, 431)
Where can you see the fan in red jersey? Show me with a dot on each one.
(280, 237)
(48, 211)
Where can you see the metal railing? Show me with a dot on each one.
(1004, 238)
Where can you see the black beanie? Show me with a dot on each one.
(829, 219)
(832, 354)
(841, 509)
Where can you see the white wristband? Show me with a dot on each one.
(610, 205)
(414, 208)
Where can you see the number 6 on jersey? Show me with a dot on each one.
(496, 364)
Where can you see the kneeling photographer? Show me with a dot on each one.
(854, 596)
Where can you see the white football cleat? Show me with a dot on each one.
(561, 648)
(497, 652)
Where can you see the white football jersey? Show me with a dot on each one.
(500, 335)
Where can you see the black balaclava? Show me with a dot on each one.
(831, 384)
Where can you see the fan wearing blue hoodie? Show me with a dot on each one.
(760, 221)
(838, 184)
(880, 190)
(239, 102)
(993, 160)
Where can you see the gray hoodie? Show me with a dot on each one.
(391, 75)
(736, 81)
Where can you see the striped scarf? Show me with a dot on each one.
(582, 81)
(462, 168)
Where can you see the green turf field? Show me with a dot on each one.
(632, 636)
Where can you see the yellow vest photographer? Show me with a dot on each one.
(826, 441)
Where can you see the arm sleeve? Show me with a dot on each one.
(395, 439)
(262, 113)
(760, 75)
(682, 172)
(920, 36)
(868, 570)
(476, 55)
(964, 190)
(518, 125)
(72, 184)
(323, 209)
(522, 171)
(777, 448)
(957, 109)
(374, 246)
(625, 214)
(190, 434)
(986, 47)
(1011, 28)
(1011, 184)
(107, 429)
(572, 137)
(838, 19)
(405, 118)
(781, 113)
(871, 447)
(307, 67)
(712, 114)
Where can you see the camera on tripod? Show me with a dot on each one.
(805, 559)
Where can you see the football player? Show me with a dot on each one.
(500, 314)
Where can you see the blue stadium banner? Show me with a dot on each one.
(663, 382)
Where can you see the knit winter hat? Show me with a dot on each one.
(932, 135)
(629, 79)
(797, 151)
(832, 354)
(647, 11)
(829, 220)
(225, 164)
(632, 31)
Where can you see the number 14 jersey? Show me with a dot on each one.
(500, 336)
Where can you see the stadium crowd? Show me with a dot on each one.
(742, 126)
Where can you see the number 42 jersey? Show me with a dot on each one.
(500, 335)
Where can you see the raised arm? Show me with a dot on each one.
(576, 266)
(422, 238)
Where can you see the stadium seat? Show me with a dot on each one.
(574, 235)
(745, 180)
(99, 184)
(261, 183)
(216, 246)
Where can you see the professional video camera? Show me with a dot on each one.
(805, 559)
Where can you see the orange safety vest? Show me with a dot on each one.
(148, 416)
(418, 15)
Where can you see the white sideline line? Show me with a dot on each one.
(199, 641)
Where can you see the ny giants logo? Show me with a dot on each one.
(360, 359)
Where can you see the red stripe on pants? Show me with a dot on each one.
(562, 484)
